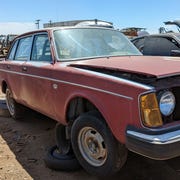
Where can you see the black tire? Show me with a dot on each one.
(16, 110)
(64, 162)
(96, 149)
(4, 112)
(62, 142)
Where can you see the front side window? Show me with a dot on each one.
(23, 49)
(72, 44)
(41, 48)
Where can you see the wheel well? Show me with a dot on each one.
(4, 87)
(78, 106)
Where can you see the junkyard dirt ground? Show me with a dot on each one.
(23, 145)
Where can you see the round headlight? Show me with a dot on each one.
(167, 103)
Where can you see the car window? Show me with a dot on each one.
(139, 43)
(41, 48)
(23, 49)
(160, 46)
(12, 51)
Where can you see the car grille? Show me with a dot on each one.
(176, 114)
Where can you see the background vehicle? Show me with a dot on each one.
(133, 32)
(165, 44)
(5, 43)
(176, 23)
(90, 22)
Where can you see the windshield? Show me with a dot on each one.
(81, 43)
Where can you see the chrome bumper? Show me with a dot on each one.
(160, 145)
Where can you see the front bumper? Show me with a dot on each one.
(155, 144)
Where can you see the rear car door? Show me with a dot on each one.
(17, 57)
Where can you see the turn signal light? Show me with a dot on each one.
(150, 113)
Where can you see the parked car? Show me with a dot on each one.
(175, 22)
(107, 97)
(133, 32)
(167, 44)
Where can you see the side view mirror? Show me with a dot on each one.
(175, 52)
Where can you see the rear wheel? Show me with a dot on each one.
(16, 110)
(95, 147)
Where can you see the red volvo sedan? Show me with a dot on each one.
(108, 97)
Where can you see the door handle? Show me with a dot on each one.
(24, 68)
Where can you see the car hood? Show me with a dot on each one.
(158, 67)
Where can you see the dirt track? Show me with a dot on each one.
(23, 145)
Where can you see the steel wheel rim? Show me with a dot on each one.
(10, 101)
(92, 147)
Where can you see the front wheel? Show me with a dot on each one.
(95, 147)
(16, 110)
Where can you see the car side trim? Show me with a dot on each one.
(71, 83)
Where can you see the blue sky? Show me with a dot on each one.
(149, 14)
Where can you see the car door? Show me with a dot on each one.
(18, 55)
(38, 90)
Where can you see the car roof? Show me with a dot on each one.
(165, 34)
(175, 35)
(50, 29)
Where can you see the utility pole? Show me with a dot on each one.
(50, 23)
(37, 23)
